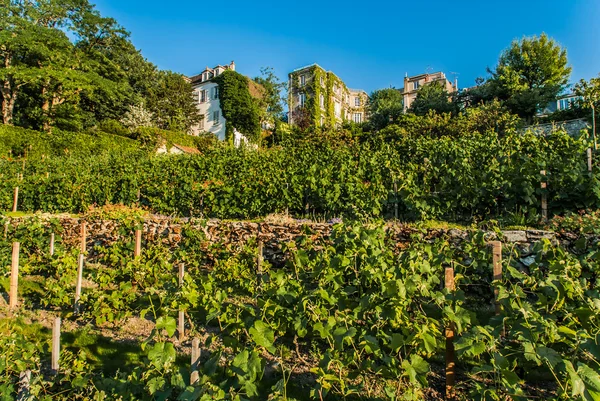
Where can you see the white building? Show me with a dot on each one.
(206, 93)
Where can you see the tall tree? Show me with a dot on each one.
(590, 93)
(273, 97)
(433, 96)
(172, 102)
(531, 73)
(384, 105)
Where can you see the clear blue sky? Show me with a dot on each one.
(369, 45)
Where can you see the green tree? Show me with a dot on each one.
(172, 102)
(530, 73)
(273, 99)
(590, 93)
(433, 96)
(384, 105)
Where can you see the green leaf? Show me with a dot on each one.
(167, 323)
(262, 335)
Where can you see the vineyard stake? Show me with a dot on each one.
(181, 324)
(395, 200)
(497, 269)
(589, 159)
(78, 285)
(24, 379)
(83, 236)
(544, 198)
(55, 345)
(15, 199)
(450, 363)
(195, 364)
(138, 244)
(14, 275)
(52, 244)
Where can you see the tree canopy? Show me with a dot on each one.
(384, 105)
(63, 64)
(530, 73)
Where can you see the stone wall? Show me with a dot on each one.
(272, 234)
(573, 127)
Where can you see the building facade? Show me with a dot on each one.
(320, 98)
(206, 94)
(412, 85)
(563, 102)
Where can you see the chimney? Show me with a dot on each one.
(455, 84)
(232, 66)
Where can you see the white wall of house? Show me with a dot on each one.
(209, 106)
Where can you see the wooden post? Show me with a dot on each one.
(78, 284)
(181, 323)
(24, 379)
(83, 237)
(395, 200)
(138, 244)
(14, 276)
(52, 244)
(589, 159)
(15, 199)
(497, 269)
(259, 259)
(195, 365)
(544, 198)
(55, 345)
(450, 363)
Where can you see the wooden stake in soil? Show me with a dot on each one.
(450, 363)
(83, 236)
(15, 199)
(497, 269)
(138, 244)
(589, 159)
(52, 244)
(14, 275)
(78, 285)
(181, 323)
(195, 365)
(395, 200)
(55, 345)
(24, 379)
(544, 198)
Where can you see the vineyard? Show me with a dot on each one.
(467, 178)
(351, 316)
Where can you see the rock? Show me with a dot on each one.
(514, 236)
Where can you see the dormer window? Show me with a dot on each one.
(205, 76)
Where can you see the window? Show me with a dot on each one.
(302, 80)
(322, 101)
(202, 96)
(357, 118)
(302, 99)
(415, 85)
(322, 81)
(201, 124)
(338, 109)
(216, 92)
(357, 101)
(215, 118)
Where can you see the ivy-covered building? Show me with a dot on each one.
(208, 87)
(318, 98)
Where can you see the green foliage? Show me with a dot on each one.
(385, 106)
(432, 97)
(239, 108)
(530, 73)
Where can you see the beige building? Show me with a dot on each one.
(320, 98)
(412, 85)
